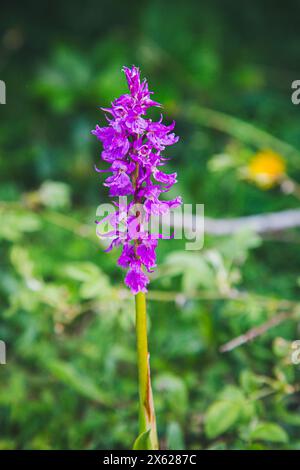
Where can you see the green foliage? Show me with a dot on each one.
(269, 432)
(174, 435)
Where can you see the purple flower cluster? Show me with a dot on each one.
(132, 145)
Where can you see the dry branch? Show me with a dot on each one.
(255, 332)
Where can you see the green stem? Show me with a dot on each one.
(241, 130)
(146, 405)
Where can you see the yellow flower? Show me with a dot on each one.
(266, 169)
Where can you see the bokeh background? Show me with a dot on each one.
(223, 70)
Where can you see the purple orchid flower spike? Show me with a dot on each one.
(132, 145)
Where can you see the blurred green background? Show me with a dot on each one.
(70, 380)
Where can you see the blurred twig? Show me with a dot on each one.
(261, 223)
(57, 218)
